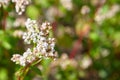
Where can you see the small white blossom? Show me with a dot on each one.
(27, 53)
(22, 61)
(15, 57)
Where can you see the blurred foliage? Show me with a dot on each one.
(87, 34)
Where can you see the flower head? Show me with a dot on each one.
(39, 36)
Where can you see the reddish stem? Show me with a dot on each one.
(79, 41)
(76, 47)
(4, 20)
(54, 25)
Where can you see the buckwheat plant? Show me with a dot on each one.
(20, 5)
(43, 46)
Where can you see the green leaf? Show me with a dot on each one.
(32, 12)
(44, 3)
(4, 40)
(6, 45)
(46, 63)
(3, 74)
(94, 36)
(105, 9)
(36, 70)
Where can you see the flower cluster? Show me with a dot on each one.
(64, 62)
(101, 16)
(43, 44)
(4, 2)
(20, 5)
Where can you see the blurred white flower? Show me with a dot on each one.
(85, 10)
(100, 16)
(97, 2)
(104, 52)
(18, 33)
(20, 21)
(4, 2)
(64, 62)
(67, 4)
(20, 5)
(52, 13)
(86, 62)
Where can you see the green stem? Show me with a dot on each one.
(36, 62)
(22, 73)
(24, 70)
(45, 77)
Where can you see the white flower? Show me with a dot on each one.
(4, 2)
(24, 35)
(15, 57)
(43, 51)
(22, 61)
(101, 16)
(85, 10)
(27, 53)
(30, 25)
(30, 59)
(20, 5)
(67, 4)
(43, 45)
